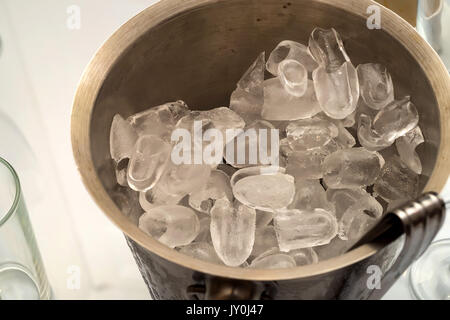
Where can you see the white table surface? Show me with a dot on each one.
(40, 65)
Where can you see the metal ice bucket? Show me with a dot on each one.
(196, 50)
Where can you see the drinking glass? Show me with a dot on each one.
(433, 23)
(429, 276)
(22, 274)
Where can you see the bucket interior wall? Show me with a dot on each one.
(200, 55)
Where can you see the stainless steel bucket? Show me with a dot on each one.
(196, 50)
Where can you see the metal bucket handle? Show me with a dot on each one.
(419, 221)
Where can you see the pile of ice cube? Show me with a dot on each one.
(346, 152)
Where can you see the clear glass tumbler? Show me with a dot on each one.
(22, 274)
(433, 23)
(429, 276)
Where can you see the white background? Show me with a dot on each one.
(41, 62)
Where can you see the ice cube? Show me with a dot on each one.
(337, 91)
(232, 231)
(160, 120)
(369, 138)
(356, 211)
(351, 168)
(148, 162)
(359, 218)
(310, 194)
(280, 105)
(306, 164)
(396, 119)
(172, 225)
(290, 50)
(263, 188)
(122, 139)
(248, 98)
(217, 187)
(275, 261)
(265, 239)
(327, 48)
(406, 147)
(304, 228)
(304, 256)
(219, 118)
(396, 181)
(253, 78)
(311, 133)
(294, 77)
(254, 146)
(224, 118)
(376, 85)
(202, 251)
(181, 180)
(248, 106)
(345, 139)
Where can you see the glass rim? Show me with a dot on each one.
(15, 203)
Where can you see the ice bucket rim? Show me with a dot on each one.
(96, 72)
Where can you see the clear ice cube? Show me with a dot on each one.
(172, 225)
(148, 162)
(160, 120)
(337, 91)
(306, 164)
(406, 147)
(311, 133)
(253, 78)
(219, 118)
(248, 98)
(310, 194)
(232, 231)
(263, 188)
(298, 229)
(122, 139)
(181, 180)
(368, 137)
(356, 211)
(290, 50)
(327, 48)
(253, 146)
(351, 168)
(376, 85)
(217, 187)
(396, 119)
(280, 105)
(396, 181)
(294, 77)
